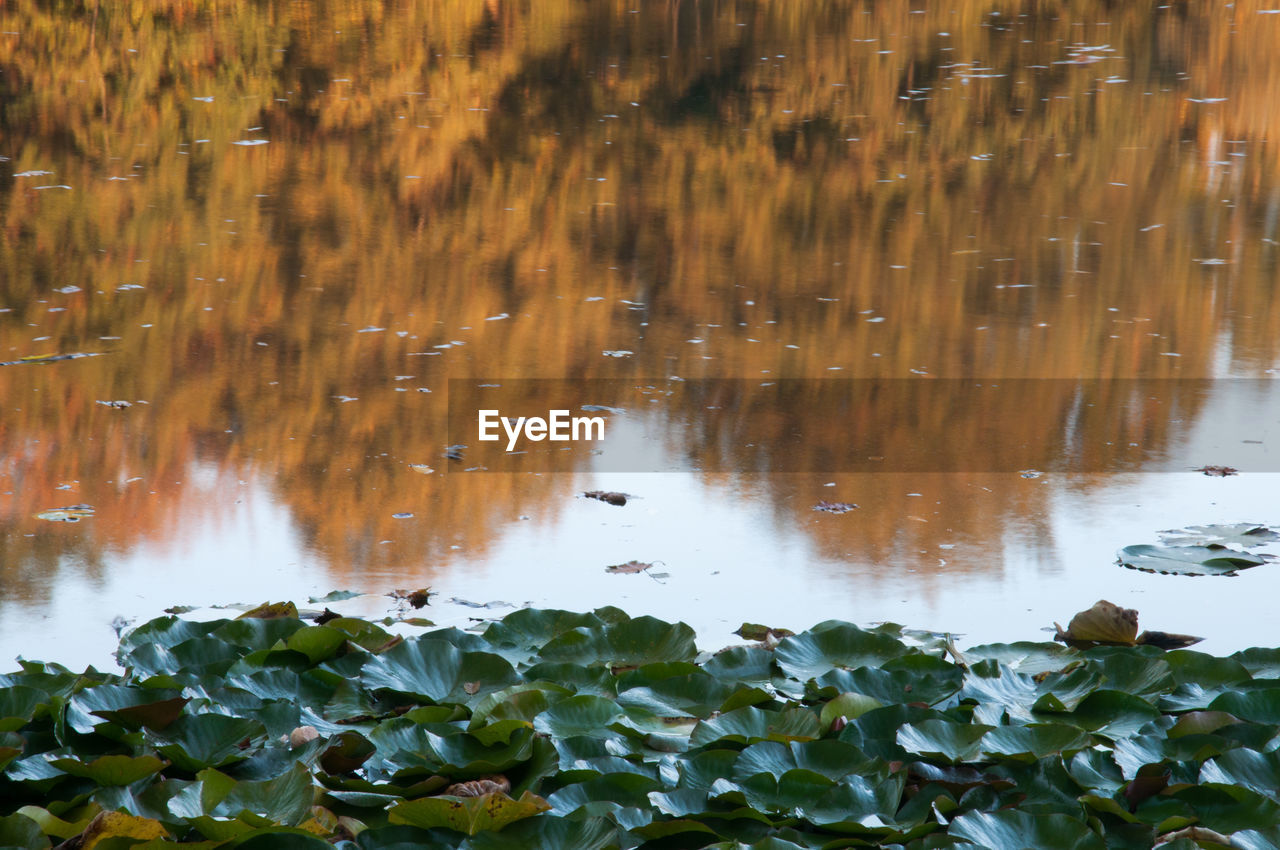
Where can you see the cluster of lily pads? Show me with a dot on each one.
(552, 729)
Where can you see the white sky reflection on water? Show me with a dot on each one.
(729, 559)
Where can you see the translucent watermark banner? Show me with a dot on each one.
(864, 425)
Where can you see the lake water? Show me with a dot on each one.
(285, 231)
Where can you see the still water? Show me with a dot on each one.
(283, 229)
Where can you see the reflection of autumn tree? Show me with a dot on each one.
(432, 165)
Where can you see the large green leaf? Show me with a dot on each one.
(469, 815)
(1247, 768)
(831, 645)
(18, 830)
(1212, 560)
(19, 704)
(583, 714)
(744, 664)
(1034, 741)
(943, 740)
(111, 769)
(128, 705)
(549, 833)
(1015, 830)
(647, 640)
(621, 789)
(909, 678)
(435, 670)
(1260, 706)
(284, 800)
(531, 628)
(194, 742)
(751, 724)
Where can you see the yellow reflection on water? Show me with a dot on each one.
(286, 226)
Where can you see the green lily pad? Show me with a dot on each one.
(1246, 535)
(749, 725)
(469, 815)
(1211, 560)
(334, 596)
(194, 742)
(831, 645)
(130, 707)
(434, 670)
(584, 714)
(1015, 830)
(112, 769)
(943, 740)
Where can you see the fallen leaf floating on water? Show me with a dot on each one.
(628, 568)
(467, 603)
(271, 611)
(1244, 535)
(50, 358)
(71, 513)
(1107, 624)
(1217, 471)
(327, 616)
(618, 499)
(416, 598)
(834, 507)
(756, 631)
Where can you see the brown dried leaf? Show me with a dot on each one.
(618, 499)
(495, 783)
(416, 598)
(471, 688)
(1217, 471)
(326, 616)
(1150, 780)
(1165, 640)
(628, 567)
(1104, 623)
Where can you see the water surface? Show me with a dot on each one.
(283, 229)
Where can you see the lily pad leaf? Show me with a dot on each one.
(198, 741)
(112, 769)
(435, 669)
(1252, 769)
(1009, 829)
(1245, 535)
(749, 725)
(584, 714)
(335, 596)
(469, 815)
(129, 707)
(943, 739)
(830, 645)
(1211, 560)
(271, 611)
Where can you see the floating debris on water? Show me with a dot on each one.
(71, 513)
(618, 499)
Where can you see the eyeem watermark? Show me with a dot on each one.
(558, 426)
